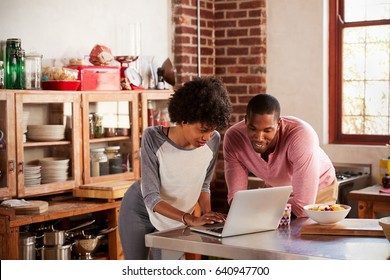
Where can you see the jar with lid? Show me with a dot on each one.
(114, 159)
(14, 66)
(33, 70)
(99, 162)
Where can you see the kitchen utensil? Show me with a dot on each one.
(133, 76)
(169, 72)
(326, 217)
(58, 237)
(27, 249)
(58, 252)
(86, 245)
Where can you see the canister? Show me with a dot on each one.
(114, 159)
(99, 162)
(33, 70)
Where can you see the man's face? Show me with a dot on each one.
(262, 131)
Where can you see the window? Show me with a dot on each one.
(359, 73)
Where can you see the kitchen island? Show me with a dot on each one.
(282, 244)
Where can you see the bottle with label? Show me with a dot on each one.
(150, 113)
(160, 78)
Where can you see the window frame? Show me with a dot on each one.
(336, 25)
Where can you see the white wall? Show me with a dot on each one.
(68, 28)
(297, 71)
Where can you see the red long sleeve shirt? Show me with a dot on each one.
(297, 160)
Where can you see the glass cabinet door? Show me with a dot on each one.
(7, 145)
(155, 108)
(48, 142)
(110, 133)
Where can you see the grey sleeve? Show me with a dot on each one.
(150, 178)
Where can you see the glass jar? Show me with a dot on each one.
(33, 70)
(114, 159)
(98, 130)
(14, 65)
(91, 126)
(99, 162)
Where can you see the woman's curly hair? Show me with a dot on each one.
(203, 100)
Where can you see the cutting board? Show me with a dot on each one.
(106, 190)
(353, 227)
(35, 207)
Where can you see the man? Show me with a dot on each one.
(281, 150)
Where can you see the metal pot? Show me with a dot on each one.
(60, 252)
(58, 237)
(27, 250)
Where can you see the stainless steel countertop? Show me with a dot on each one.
(281, 244)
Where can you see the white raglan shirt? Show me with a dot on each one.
(174, 174)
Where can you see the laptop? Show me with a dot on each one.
(251, 211)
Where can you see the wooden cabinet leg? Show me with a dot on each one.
(115, 251)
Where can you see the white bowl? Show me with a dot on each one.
(326, 217)
(385, 224)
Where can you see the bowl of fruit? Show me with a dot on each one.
(327, 214)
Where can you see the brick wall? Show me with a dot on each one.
(233, 47)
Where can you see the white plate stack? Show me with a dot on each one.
(54, 169)
(32, 175)
(48, 132)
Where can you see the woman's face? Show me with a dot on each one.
(197, 134)
(262, 131)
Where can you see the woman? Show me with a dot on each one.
(177, 165)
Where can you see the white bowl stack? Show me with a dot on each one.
(48, 132)
(54, 169)
(32, 175)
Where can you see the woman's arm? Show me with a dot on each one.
(207, 217)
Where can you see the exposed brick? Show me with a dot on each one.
(237, 51)
(254, 4)
(238, 32)
(221, 6)
(237, 69)
(249, 22)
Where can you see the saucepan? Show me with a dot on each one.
(58, 237)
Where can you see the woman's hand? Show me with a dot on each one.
(208, 218)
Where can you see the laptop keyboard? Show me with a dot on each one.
(217, 230)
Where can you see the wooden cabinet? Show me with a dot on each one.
(119, 116)
(39, 109)
(7, 145)
(126, 112)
